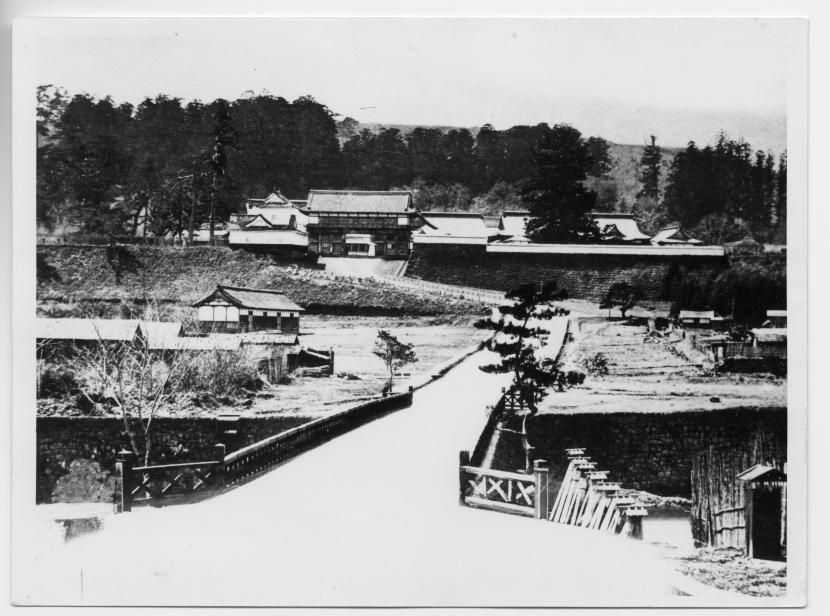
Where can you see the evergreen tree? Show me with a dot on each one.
(650, 171)
(556, 196)
(223, 138)
(781, 197)
(518, 338)
(601, 161)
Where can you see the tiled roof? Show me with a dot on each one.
(454, 224)
(360, 201)
(619, 225)
(276, 198)
(673, 235)
(255, 299)
(87, 329)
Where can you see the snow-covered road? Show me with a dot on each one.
(370, 518)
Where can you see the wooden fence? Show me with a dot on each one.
(582, 498)
(176, 483)
(516, 493)
(718, 498)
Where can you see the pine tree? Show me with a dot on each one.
(532, 376)
(556, 196)
(650, 171)
(223, 138)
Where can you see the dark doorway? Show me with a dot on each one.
(766, 524)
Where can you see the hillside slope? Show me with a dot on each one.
(171, 274)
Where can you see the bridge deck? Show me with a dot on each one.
(370, 518)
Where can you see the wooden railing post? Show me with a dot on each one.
(219, 455)
(463, 460)
(541, 475)
(530, 455)
(124, 481)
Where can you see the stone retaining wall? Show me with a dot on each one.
(584, 276)
(60, 440)
(647, 451)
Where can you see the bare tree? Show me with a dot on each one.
(137, 380)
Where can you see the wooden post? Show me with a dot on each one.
(463, 460)
(219, 455)
(530, 454)
(541, 474)
(124, 481)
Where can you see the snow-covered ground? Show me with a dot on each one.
(370, 518)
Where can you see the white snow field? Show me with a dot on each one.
(370, 518)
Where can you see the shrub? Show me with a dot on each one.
(596, 365)
(56, 381)
(223, 373)
(84, 483)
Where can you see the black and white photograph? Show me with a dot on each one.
(410, 312)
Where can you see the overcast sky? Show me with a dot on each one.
(620, 79)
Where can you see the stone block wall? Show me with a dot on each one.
(648, 451)
(60, 440)
(584, 276)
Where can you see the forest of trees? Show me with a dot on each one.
(103, 165)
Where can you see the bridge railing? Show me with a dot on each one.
(526, 494)
(172, 483)
(165, 484)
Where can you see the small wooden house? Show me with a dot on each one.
(66, 335)
(703, 319)
(765, 512)
(776, 319)
(769, 341)
(238, 309)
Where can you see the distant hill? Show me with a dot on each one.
(625, 172)
(405, 129)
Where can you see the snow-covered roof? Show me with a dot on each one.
(514, 222)
(87, 329)
(770, 334)
(761, 472)
(158, 333)
(697, 314)
(454, 224)
(213, 342)
(617, 225)
(673, 235)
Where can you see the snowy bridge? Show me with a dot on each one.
(369, 518)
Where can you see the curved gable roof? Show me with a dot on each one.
(252, 299)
